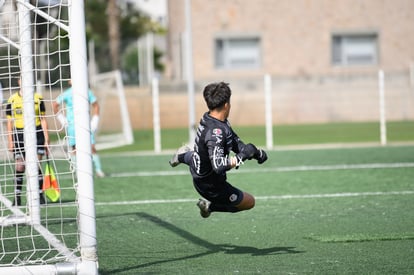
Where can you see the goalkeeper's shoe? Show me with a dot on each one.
(182, 150)
(204, 208)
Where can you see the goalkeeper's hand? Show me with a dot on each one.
(247, 152)
(94, 123)
(260, 155)
(62, 120)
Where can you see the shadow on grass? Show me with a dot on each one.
(211, 248)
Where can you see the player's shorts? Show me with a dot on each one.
(71, 136)
(18, 138)
(216, 189)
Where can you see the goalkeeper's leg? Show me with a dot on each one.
(178, 157)
(247, 202)
(221, 196)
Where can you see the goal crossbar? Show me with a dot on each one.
(46, 16)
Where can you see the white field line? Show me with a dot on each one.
(281, 197)
(266, 170)
(274, 169)
(270, 170)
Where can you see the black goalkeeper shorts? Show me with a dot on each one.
(217, 190)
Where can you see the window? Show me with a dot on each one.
(355, 49)
(237, 53)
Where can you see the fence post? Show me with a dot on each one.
(156, 115)
(268, 111)
(383, 128)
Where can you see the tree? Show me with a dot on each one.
(114, 37)
(119, 28)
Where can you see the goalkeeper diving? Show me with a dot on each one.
(210, 159)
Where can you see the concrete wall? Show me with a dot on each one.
(293, 100)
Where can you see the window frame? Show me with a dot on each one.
(345, 52)
(226, 59)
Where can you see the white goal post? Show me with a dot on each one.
(43, 43)
(109, 89)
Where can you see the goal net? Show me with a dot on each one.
(42, 47)
(115, 127)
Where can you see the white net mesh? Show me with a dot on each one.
(115, 129)
(56, 239)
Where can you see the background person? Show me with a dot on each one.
(65, 101)
(15, 129)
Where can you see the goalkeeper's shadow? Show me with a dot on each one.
(210, 247)
(227, 248)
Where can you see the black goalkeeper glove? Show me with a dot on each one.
(247, 152)
(260, 155)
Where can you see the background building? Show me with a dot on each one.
(238, 38)
(323, 56)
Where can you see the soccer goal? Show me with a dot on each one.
(42, 43)
(115, 128)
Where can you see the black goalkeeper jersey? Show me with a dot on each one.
(214, 141)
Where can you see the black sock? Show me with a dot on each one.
(19, 181)
(186, 158)
(40, 179)
(181, 158)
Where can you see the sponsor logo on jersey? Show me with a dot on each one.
(217, 132)
(219, 159)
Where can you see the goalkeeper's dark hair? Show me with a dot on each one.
(216, 95)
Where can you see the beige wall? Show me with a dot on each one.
(294, 100)
(296, 51)
(295, 34)
(297, 101)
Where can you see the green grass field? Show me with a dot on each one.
(321, 210)
(324, 211)
(285, 135)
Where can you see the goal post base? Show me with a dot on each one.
(81, 268)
